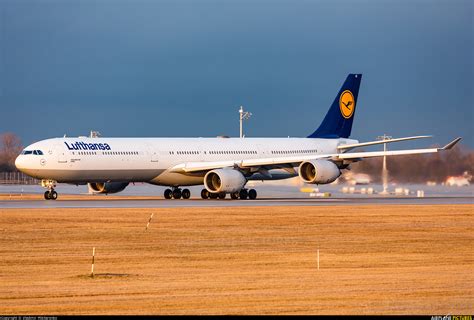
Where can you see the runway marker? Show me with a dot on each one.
(93, 256)
(149, 220)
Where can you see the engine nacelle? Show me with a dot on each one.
(318, 171)
(107, 187)
(224, 180)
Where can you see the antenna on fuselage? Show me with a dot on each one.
(95, 134)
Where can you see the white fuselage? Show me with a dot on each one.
(82, 160)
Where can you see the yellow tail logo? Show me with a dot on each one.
(347, 104)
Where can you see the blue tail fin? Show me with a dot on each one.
(338, 120)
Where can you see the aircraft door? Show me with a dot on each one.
(154, 154)
(262, 150)
(62, 154)
(202, 152)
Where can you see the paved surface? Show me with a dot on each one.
(162, 203)
(268, 195)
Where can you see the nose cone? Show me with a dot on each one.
(19, 162)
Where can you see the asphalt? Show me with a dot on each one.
(264, 202)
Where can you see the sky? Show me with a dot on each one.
(183, 68)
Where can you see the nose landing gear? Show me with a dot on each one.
(50, 194)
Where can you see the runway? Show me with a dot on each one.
(199, 203)
(148, 196)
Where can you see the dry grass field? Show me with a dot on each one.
(259, 260)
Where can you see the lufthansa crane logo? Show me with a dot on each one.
(347, 104)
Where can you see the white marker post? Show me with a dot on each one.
(93, 257)
(149, 220)
(318, 258)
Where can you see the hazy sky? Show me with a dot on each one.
(183, 68)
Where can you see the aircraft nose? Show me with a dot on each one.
(19, 162)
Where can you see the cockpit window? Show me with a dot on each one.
(36, 152)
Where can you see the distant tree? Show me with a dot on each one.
(10, 148)
(420, 168)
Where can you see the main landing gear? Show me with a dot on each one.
(243, 194)
(50, 194)
(177, 193)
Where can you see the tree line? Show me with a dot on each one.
(10, 148)
(420, 168)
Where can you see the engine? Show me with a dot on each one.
(318, 171)
(107, 187)
(224, 180)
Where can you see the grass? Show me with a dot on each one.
(256, 260)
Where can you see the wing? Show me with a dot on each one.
(371, 143)
(270, 163)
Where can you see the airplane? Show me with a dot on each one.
(223, 165)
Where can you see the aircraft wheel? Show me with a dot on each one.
(213, 195)
(186, 194)
(47, 195)
(53, 195)
(205, 194)
(222, 195)
(243, 194)
(234, 195)
(168, 194)
(252, 194)
(177, 193)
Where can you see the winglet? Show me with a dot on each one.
(451, 144)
